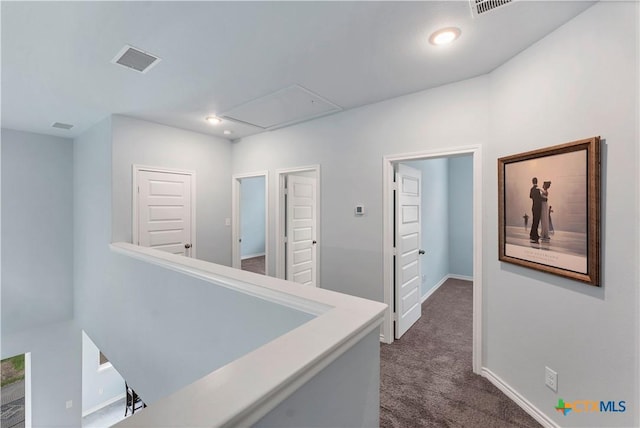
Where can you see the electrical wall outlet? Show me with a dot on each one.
(69, 404)
(551, 379)
(227, 222)
(100, 391)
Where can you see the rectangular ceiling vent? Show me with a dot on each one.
(135, 59)
(60, 125)
(479, 7)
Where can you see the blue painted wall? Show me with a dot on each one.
(434, 263)
(447, 218)
(252, 216)
(461, 215)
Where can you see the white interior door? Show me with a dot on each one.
(408, 227)
(301, 230)
(164, 211)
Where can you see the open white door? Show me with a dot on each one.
(301, 230)
(408, 227)
(164, 214)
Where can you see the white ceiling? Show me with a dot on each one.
(219, 55)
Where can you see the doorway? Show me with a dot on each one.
(298, 225)
(164, 209)
(250, 226)
(392, 287)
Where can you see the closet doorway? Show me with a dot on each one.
(250, 232)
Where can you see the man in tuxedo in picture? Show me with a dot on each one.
(536, 210)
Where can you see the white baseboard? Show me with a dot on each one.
(250, 256)
(517, 398)
(462, 277)
(434, 288)
(442, 281)
(102, 405)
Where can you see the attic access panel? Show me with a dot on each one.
(281, 108)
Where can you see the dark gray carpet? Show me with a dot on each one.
(426, 376)
(254, 264)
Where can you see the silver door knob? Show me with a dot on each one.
(187, 246)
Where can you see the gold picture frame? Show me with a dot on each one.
(558, 190)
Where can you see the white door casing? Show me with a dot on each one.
(301, 230)
(164, 210)
(388, 174)
(408, 234)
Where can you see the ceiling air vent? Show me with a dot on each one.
(135, 59)
(60, 125)
(479, 7)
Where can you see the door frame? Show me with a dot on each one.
(280, 225)
(27, 390)
(135, 168)
(236, 258)
(388, 230)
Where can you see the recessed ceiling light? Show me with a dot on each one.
(444, 36)
(227, 132)
(214, 120)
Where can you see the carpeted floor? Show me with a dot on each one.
(426, 376)
(254, 264)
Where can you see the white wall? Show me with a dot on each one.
(353, 378)
(349, 147)
(100, 385)
(37, 230)
(56, 374)
(460, 213)
(150, 144)
(183, 327)
(92, 223)
(580, 81)
(434, 264)
(147, 319)
(37, 268)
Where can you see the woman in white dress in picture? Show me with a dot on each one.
(544, 220)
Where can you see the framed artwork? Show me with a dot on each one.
(549, 210)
